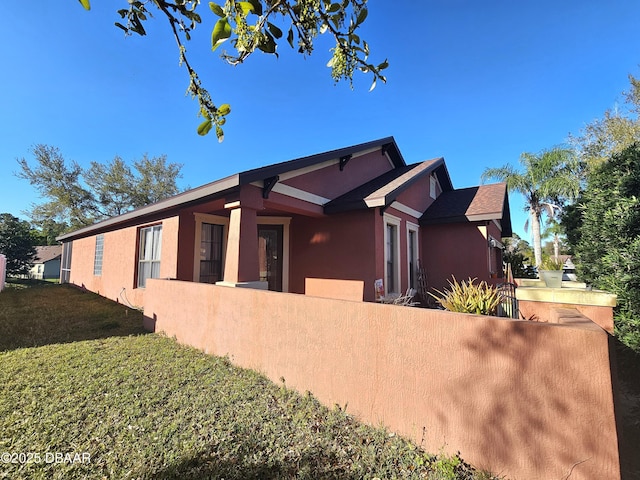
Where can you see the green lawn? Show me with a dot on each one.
(85, 394)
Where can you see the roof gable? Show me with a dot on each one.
(388, 144)
(382, 191)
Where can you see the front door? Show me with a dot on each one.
(270, 255)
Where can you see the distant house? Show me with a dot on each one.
(356, 213)
(46, 263)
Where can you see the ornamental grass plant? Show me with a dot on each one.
(469, 297)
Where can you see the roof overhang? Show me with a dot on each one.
(229, 184)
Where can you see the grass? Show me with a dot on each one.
(78, 376)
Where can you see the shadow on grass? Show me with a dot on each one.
(246, 465)
(628, 409)
(34, 314)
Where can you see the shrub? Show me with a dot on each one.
(469, 297)
(605, 231)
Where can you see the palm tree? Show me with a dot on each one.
(549, 178)
(553, 229)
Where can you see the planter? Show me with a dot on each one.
(552, 278)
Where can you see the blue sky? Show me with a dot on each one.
(476, 82)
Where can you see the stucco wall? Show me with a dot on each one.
(341, 246)
(120, 262)
(458, 249)
(330, 182)
(417, 196)
(522, 399)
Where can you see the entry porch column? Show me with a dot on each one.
(241, 267)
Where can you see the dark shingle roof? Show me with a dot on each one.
(47, 253)
(485, 202)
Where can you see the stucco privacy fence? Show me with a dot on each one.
(3, 271)
(521, 399)
(537, 302)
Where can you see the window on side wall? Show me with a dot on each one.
(149, 249)
(211, 251)
(433, 185)
(412, 254)
(392, 254)
(97, 258)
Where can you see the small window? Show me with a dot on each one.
(391, 254)
(412, 257)
(149, 254)
(392, 238)
(97, 258)
(433, 185)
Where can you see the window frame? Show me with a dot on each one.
(412, 280)
(98, 255)
(396, 223)
(156, 255)
(433, 186)
(218, 246)
(201, 218)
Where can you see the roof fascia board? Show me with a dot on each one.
(320, 166)
(257, 174)
(384, 198)
(182, 199)
(296, 193)
(485, 217)
(447, 178)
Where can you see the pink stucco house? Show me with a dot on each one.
(356, 213)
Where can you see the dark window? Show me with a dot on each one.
(392, 235)
(413, 258)
(211, 253)
(65, 270)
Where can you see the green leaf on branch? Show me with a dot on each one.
(86, 4)
(334, 7)
(221, 31)
(268, 45)
(290, 37)
(247, 8)
(224, 109)
(275, 31)
(362, 16)
(205, 127)
(257, 6)
(217, 9)
(219, 134)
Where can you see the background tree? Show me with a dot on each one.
(606, 237)
(17, 244)
(546, 181)
(616, 130)
(519, 254)
(46, 232)
(554, 231)
(77, 197)
(250, 26)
